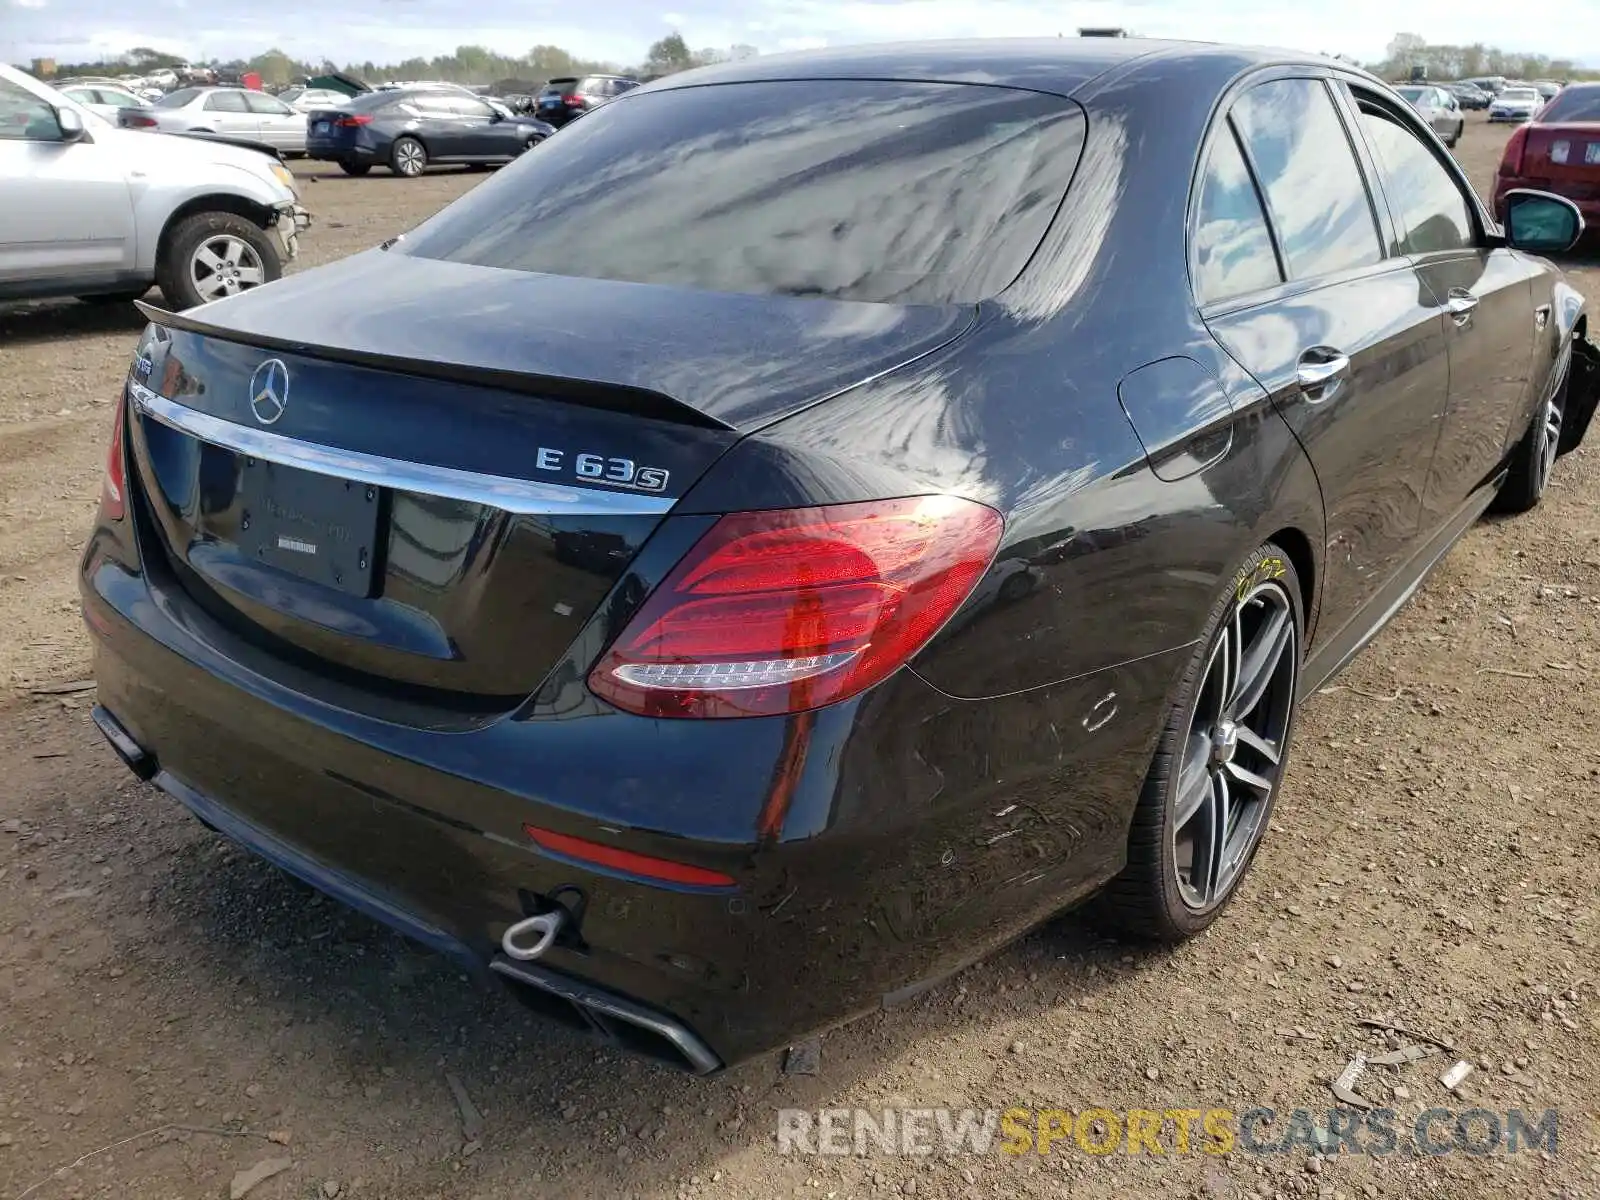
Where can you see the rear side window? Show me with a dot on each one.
(178, 98)
(1233, 248)
(1423, 196)
(259, 102)
(1306, 166)
(225, 102)
(915, 193)
(1573, 104)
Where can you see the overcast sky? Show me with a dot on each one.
(620, 30)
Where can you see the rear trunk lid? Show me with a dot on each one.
(1564, 154)
(435, 492)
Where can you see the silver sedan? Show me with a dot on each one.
(1439, 109)
(224, 111)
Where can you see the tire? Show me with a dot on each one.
(354, 168)
(202, 247)
(1535, 455)
(408, 157)
(1216, 731)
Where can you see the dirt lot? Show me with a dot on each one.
(1434, 858)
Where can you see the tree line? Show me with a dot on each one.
(1407, 50)
(468, 64)
(480, 65)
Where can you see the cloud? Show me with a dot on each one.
(621, 31)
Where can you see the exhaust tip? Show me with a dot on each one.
(139, 760)
(615, 1019)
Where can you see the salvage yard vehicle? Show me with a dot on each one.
(567, 99)
(819, 517)
(1439, 108)
(104, 100)
(407, 131)
(90, 210)
(1558, 151)
(227, 111)
(1516, 104)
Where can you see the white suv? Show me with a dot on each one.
(90, 210)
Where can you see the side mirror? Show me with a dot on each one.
(1540, 222)
(495, 115)
(70, 124)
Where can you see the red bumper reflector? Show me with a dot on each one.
(626, 861)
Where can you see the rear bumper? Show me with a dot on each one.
(877, 845)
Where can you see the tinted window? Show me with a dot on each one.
(372, 101)
(178, 98)
(259, 102)
(25, 117)
(1423, 197)
(232, 102)
(465, 106)
(1573, 104)
(1314, 188)
(1233, 249)
(902, 192)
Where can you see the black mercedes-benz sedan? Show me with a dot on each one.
(822, 515)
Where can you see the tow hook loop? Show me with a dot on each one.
(532, 936)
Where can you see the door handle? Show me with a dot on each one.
(1460, 303)
(1320, 370)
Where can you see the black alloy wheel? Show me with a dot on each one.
(1211, 788)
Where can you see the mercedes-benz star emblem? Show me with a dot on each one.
(269, 391)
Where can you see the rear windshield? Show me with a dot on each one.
(1573, 104)
(1519, 94)
(370, 101)
(1413, 94)
(557, 86)
(178, 98)
(914, 193)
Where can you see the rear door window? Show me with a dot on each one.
(1314, 188)
(225, 102)
(260, 102)
(852, 190)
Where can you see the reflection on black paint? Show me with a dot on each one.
(895, 192)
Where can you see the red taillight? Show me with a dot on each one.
(137, 122)
(779, 612)
(113, 491)
(576, 101)
(1511, 160)
(352, 121)
(626, 861)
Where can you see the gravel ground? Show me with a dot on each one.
(1433, 860)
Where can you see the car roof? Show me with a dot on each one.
(1063, 66)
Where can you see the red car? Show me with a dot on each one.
(1558, 151)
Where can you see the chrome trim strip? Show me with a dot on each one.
(522, 496)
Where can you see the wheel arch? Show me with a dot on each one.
(1297, 546)
(228, 202)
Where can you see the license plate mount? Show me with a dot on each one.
(317, 527)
